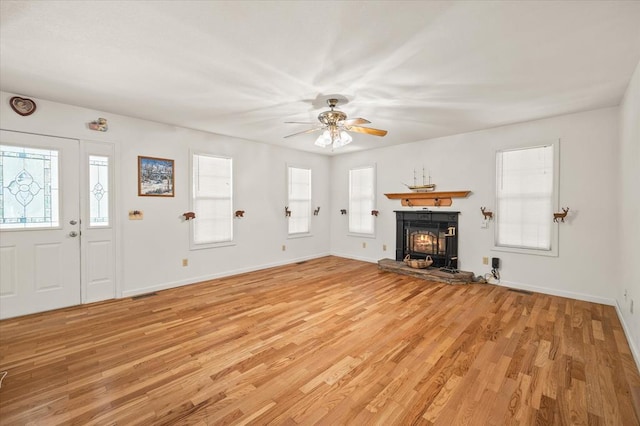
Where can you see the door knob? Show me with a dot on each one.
(73, 234)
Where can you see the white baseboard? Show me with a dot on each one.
(635, 351)
(561, 293)
(194, 280)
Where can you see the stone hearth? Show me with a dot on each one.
(429, 274)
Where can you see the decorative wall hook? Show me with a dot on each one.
(100, 125)
(409, 203)
(374, 212)
(136, 215)
(316, 211)
(239, 213)
(561, 216)
(487, 215)
(287, 212)
(189, 215)
(343, 211)
(437, 202)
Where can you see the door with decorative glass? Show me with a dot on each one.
(39, 223)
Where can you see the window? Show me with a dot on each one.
(98, 191)
(28, 188)
(212, 192)
(526, 188)
(361, 200)
(299, 182)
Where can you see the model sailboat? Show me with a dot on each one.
(425, 187)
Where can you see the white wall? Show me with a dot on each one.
(151, 250)
(629, 212)
(586, 266)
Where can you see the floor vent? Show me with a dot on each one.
(142, 296)
(521, 291)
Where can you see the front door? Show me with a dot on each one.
(39, 223)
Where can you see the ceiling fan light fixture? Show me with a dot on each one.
(334, 126)
(344, 139)
(324, 139)
(333, 137)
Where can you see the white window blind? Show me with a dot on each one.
(361, 200)
(212, 199)
(525, 198)
(299, 182)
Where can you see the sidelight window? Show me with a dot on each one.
(98, 191)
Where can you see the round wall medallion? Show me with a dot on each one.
(22, 106)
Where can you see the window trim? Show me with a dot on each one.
(308, 233)
(374, 200)
(202, 246)
(554, 237)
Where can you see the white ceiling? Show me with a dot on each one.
(242, 68)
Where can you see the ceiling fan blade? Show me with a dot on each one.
(305, 131)
(367, 130)
(355, 121)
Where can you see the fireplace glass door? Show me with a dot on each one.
(430, 242)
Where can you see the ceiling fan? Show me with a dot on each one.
(336, 125)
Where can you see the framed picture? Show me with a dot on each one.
(155, 177)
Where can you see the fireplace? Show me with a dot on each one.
(424, 233)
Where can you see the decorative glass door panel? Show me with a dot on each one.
(98, 191)
(29, 196)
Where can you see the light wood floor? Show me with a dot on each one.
(330, 341)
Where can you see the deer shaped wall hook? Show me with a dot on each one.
(487, 215)
(287, 212)
(560, 216)
(343, 211)
(374, 212)
(316, 211)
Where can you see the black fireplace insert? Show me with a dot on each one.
(425, 233)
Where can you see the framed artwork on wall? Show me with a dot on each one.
(155, 177)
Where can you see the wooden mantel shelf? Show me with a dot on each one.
(439, 198)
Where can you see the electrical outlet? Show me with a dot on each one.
(631, 306)
(284, 248)
(364, 245)
(185, 262)
(384, 247)
(485, 260)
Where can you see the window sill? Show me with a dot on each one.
(301, 235)
(211, 245)
(547, 253)
(357, 235)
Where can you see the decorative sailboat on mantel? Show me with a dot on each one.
(425, 187)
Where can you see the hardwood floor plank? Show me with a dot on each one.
(328, 341)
